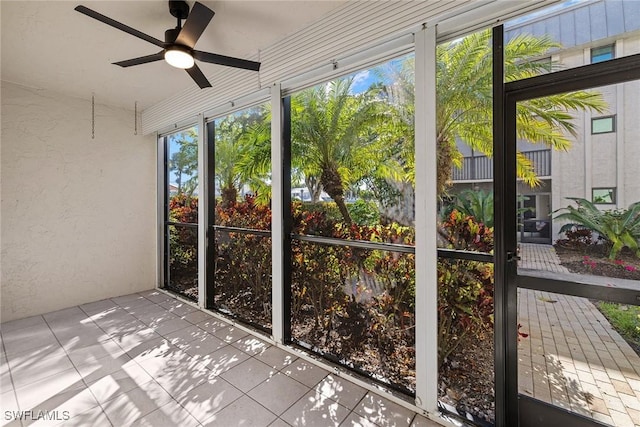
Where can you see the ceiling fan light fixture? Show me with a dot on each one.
(179, 57)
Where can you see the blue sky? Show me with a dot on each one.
(362, 80)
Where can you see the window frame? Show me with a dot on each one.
(613, 124)
(611, 47)
(612, 191)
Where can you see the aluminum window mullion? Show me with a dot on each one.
(202, 213)
(162, 185)
(210, 267)
(277, 241)
(286, 218)
(426, 288)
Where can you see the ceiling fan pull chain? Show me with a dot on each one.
(93, 116)
(135, 118)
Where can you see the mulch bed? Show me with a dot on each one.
(466, 380)
(593, 259)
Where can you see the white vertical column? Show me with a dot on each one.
(202, 210)
(426, 250)
(160, 191)
(588, 149)
(620, 134)
(277, 215)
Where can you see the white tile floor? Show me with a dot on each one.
(148, 359)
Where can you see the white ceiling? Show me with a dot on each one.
(46, 44)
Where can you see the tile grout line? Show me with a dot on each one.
(125, 352)
(191, 358)
(142, 367)
(74, 365)
(13, 386)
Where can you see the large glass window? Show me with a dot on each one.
(464, 107)
(352, 251)
(242, 215)
(181, 214)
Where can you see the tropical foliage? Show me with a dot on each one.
(334, 139)
(619, 228)
(465, 106)
(465, 288)
(243, 284)
(242, 152)
(183, 244)
(183, 160)
(477, 204)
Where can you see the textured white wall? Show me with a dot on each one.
(78, 214)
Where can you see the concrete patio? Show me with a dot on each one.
(573, 358)
(148, 359)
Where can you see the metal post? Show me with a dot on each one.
(276, 216)
(210, 178)
(202, 213)
(426, 197)
(506, 381)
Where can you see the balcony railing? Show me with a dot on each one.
(478, 168)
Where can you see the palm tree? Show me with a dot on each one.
(233, 142)
(464, 101)
(184, 162)
(334, 138)
(396, 88)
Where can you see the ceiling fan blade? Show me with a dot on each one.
(198, 77)
(105, 19)
(214, 58)
(198, 19)
(141, 60)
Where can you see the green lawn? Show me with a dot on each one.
(625, 319)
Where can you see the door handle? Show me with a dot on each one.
(512, 256)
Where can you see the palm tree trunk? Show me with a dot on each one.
(403, 209)
(444, 163)
(229, 195)
(342, 206)
(332, 184)
(315, 188)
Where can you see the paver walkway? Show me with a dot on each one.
(573, 358)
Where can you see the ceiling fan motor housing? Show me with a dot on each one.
(171, 35)
(179, 9)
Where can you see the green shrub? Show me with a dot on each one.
(243, 261)
(465, 288)
(351, 302)
(183, 241)
(619, 228)
(477, 204)
(364, 212)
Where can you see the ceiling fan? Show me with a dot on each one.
(178, 45)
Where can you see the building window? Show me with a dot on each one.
(603, 124)
(603, 196)
(543, 65)
(602, 53)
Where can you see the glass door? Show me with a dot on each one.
(572, 257)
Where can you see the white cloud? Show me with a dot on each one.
(361, 77)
